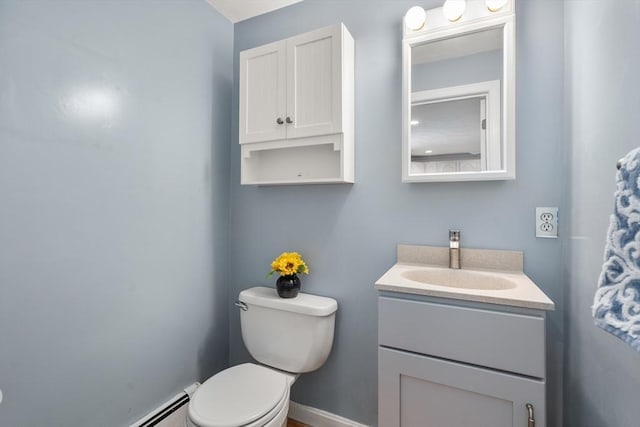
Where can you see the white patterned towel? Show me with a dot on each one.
(616, 306)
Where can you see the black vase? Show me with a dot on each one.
(288, 286)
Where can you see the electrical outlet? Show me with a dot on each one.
(546, 217)
(547, 222)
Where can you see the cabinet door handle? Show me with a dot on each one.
(289, 120)
(279, 121)
(531, 422)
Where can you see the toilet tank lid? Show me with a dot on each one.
(311, 305)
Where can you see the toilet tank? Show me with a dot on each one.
(290, 334)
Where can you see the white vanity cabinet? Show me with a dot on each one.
(296, 119)
(445, 363)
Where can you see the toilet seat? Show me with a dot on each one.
(246, 395)
(268, 420)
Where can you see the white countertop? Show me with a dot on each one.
(524, 293)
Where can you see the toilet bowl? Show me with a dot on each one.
(246, 395)
(257, 395)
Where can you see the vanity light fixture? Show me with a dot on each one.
(496, 5)
(453, 9)
(428, 151)
(415, 122)
(415, 18)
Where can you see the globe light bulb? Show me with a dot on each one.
(453, 9)
(415, 18)
(496, 5)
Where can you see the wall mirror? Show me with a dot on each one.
(459, 96)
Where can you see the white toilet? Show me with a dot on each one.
(288, 337)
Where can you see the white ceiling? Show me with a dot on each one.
(239, 10)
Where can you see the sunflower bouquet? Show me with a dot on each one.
(289, 264)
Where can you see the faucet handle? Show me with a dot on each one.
(454, 235)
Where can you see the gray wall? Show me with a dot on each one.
(603, 106)
(480, 67)
(112, 223)
(348, 233)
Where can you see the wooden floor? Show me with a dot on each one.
(292, 423)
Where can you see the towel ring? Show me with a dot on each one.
(619, 164)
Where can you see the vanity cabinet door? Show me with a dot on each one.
(421, 391)
(314, 83)
(263, 107)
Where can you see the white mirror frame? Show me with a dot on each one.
(476, 18)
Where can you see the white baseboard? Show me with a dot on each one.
(176, 419)
(318, 418)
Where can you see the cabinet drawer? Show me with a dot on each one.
(504, 341)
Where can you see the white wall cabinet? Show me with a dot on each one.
(297, 109)
(444, 364)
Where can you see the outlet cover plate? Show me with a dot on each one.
(547, 222)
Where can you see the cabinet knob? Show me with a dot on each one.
(531, 422)
(279, 121)
(289, 120)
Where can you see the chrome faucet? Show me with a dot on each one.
(454, 249)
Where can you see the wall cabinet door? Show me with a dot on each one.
(314, 83)
(263, 93)
(421, 391)
(292, 88)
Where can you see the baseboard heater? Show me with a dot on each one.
(167, 408)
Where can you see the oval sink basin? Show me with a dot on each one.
(462, 279)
